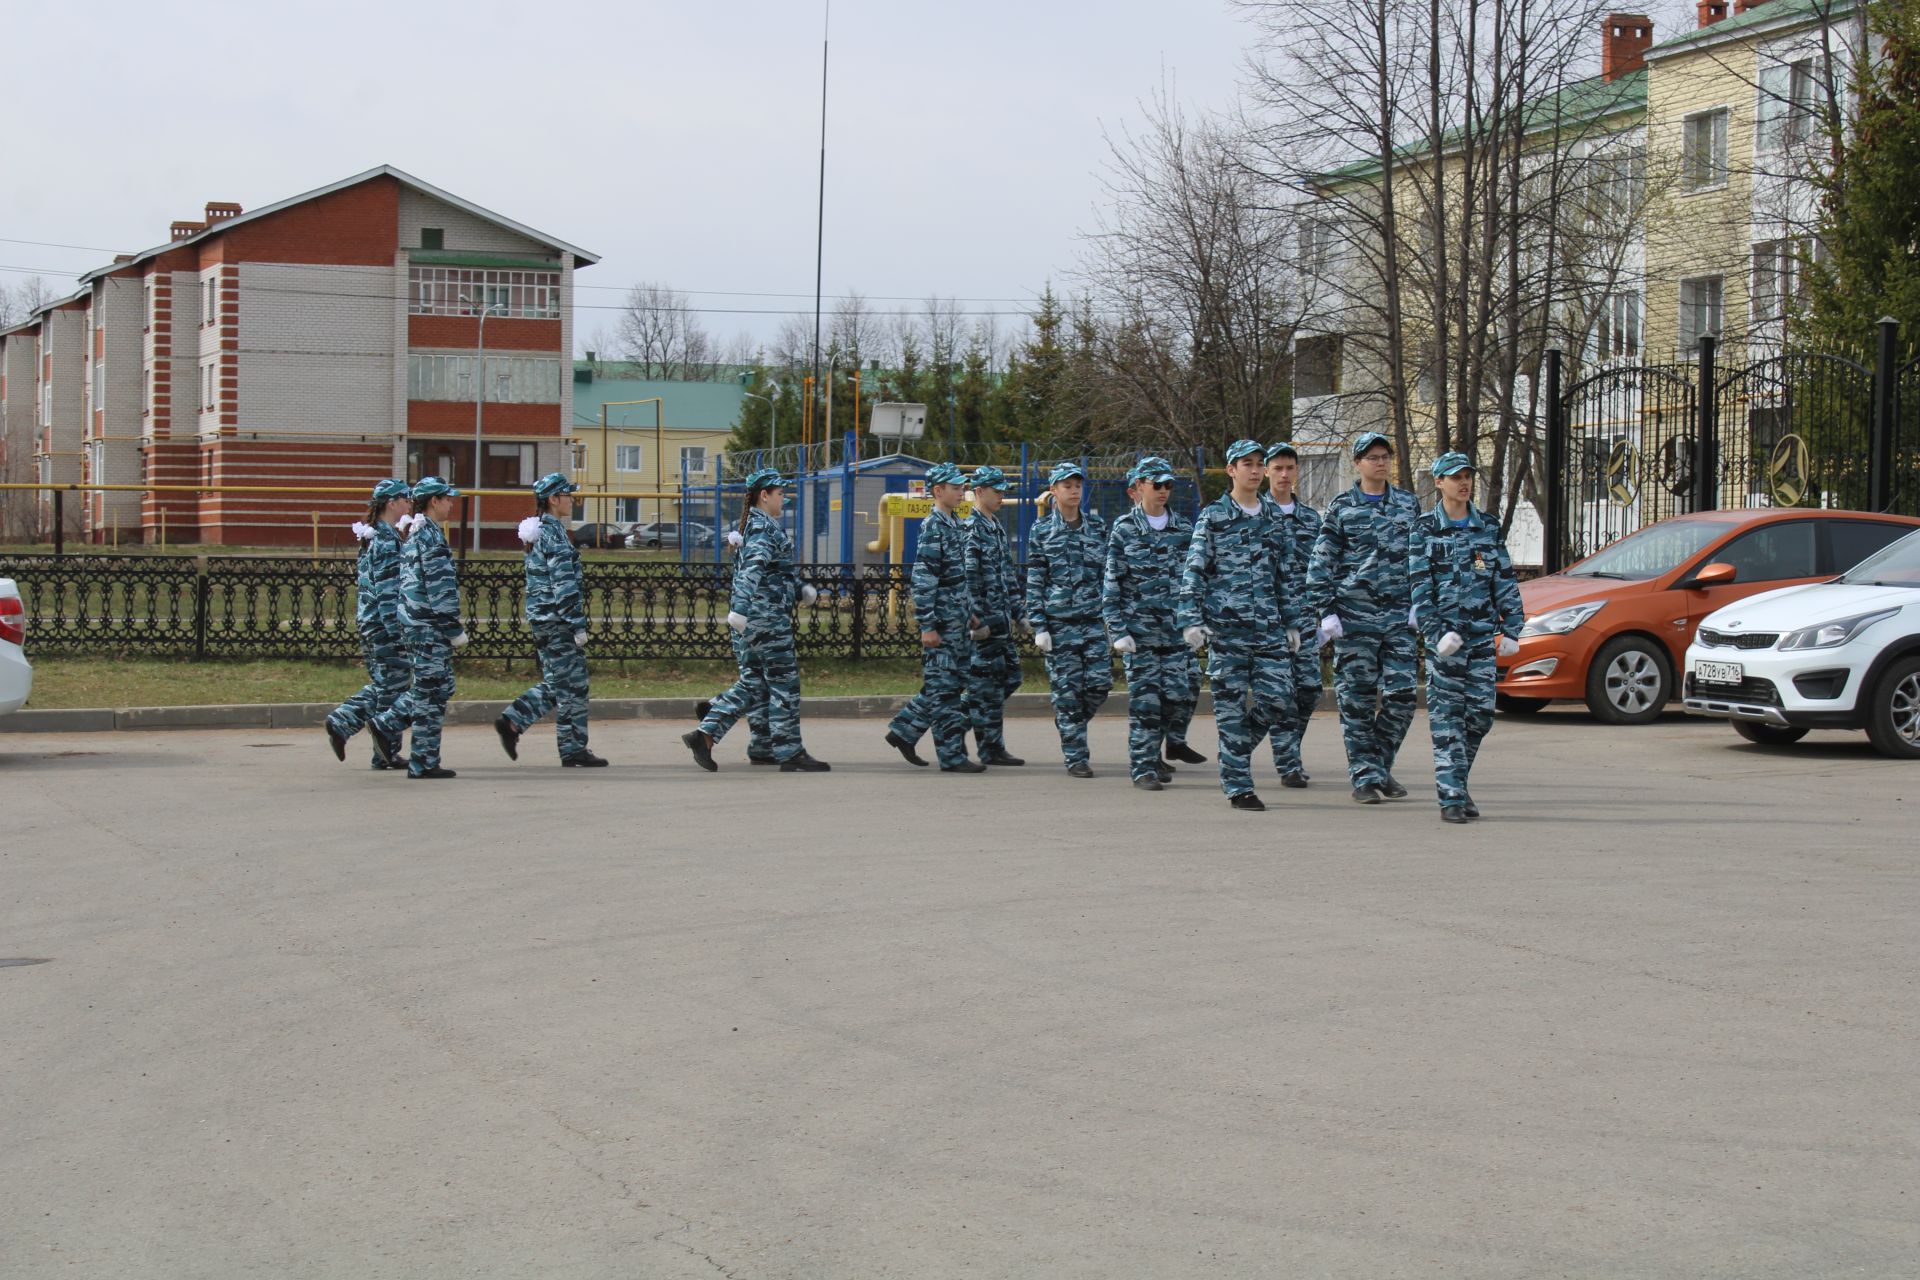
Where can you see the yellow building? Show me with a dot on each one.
(632, 455)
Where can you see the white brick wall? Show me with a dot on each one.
(464, 232)
(118, 300)
(317, 349)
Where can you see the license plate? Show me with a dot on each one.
(1719, 672)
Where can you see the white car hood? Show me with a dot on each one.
(1791, 608)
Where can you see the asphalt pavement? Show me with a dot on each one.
(264, 1014)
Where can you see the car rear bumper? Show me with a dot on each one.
(16, 678)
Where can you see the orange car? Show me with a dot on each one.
(1612, 630)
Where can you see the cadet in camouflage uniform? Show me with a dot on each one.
(1066, 573)
(1302, 524)
(430, 619)
(760, 615)
(1146, 557)
(1358, 588)
(1467, 606)
(1238, 597)
(995, 672)
(556, 604)
(377, 611)
(943, 610)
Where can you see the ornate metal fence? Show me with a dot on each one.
(1903, 467)
(1630, 449)
(247, 607)
(1794, 430)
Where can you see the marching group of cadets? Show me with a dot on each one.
(1258, 582)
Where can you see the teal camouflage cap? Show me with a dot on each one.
(1150, 468)
(989, 478)
(945, 473)
(1242, 449)
(1449, 463)
(388, 490)
(433, 487)
(1065, 471)
(553, 483)
(1367, 439)
(1284, 449)
(766, 478)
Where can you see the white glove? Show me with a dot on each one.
(1413, 617)
(1450, 644)
(1507, 646)
(579, 639)
(459, 641)
(1331, 629)
(1196, 637)
(1043, 642)
(1293, 639)
(1124, 644)
(737, 621)
(981, 632)
(733, 538)
(809, 593)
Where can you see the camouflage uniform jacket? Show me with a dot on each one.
(1462, 578)
(941, 599)
(378, 605)
(1359, 566)
(1241, 579)
(1144, 569)
(765, 586)
(1066, 571)
(990, 578)
(429, 583)
(554, 589)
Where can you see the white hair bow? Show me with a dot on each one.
(364, 532)
(530, 530)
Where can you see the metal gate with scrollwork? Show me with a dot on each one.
(1793, 430)
(1903, 443)
(1629, 453)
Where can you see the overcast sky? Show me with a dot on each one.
(680, 141)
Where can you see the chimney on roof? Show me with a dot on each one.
(185, 230)
(1711, 11)
(119, 258)
(221, 210)
(1741, 6)
(1624, 41)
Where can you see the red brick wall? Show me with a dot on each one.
(359, 226)
(169, 464)
(286, 519)
(504, 333)
(455, 418)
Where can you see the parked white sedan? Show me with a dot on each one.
(16, 674)
(1842, 654)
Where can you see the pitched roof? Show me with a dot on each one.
(1755, 21)
(383, 171)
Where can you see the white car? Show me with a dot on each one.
(16, 674)
(1842, 654)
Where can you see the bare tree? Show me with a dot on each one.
(18, 301)
(658, 331)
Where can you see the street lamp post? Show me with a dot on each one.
(479, 402)
(773, 418)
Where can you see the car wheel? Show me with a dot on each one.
(1507, 704)
(1768, 735)
(1628, 682)
(1893, 720)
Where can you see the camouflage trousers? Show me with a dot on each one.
(1306, 697)
(1252, 692)
(941, 704)
(759, 736)
(424, 706)
(388, 675)
(1460, 711)
(992, 678)
(1160, 692)
(1179, 715)
(562, 688)
(769, 684)
(1080, 671)
(1373, 679)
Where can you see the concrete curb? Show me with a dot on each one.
(309, 715)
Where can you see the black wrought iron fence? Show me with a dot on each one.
(268, 607)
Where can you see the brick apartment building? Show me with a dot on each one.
(328, 339)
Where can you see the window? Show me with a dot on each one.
(1778, 282)
(626, 457)
(510, 379)
(1851, 541)
(433, 237)
(206, 386)
(146, 391)
(146, 302)
(1699, 311)
(1316, 366)
(209, 300)
(507, 465)
(1770, 553)
(1785, 111)
(1703, 150)
(1619, 186)
(99, 384)
(1620, 326)
(693, 460)
(626, 510)
(438, 291)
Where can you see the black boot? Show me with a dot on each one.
(1081, 770)
(804, 763)
(1149, 782)
(509, 737)
(338, 743)
(379, 765)
(703, 708)
(1165, 771)
(1295, 781)
(1471, 809)
(1393, 790)
(435, 772)
(1454, 813)
(702, 747)
(582, 759)
(1181, 753)
(1000, 756)
(1367, 793)
(965, 766)
(387, 748)
(761, 760)
(1248, 801)
(905, 749)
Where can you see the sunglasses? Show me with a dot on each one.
(1161, 484)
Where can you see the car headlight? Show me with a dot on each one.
(1831, 635)
(1560, 621)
